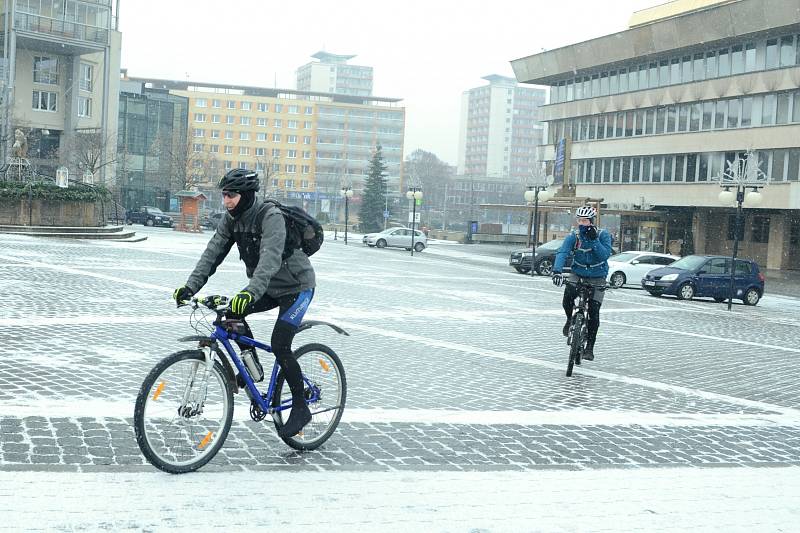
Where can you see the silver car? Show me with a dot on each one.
(397, 238)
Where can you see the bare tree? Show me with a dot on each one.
(426, 170)
(266, 166)
(91, 150)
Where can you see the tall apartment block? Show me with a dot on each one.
(500, 129)
(652, 116)
(306, 145)
(332, 74)
(59, 75)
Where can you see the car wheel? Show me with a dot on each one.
(522, 270)
(618, 280)
(148, 223)
(545, 267)
(419, 247)
(381, 243)
(686, 291)
(751, 297)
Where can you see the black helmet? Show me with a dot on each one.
(239, 180)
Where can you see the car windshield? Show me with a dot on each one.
(552, 245)
(690, 262)
(155, 211)
(623, 257)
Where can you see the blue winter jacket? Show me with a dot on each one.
(589, 257)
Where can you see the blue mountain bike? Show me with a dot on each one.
(184, 409)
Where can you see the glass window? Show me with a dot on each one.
(657, 165)
(796, 110)
(613, 82)
(639, 122)
(737, 59)
(603, 83)
(653, 75)
(633, 80)
(768, 111)
(623, 80)
(708, 115)
(595, 86)
(45, 70)
(680, 171)
(724, 62)
(675, 71)
(778, 165)
(592, 127)
(746, 105)
(711, 65)
(715, 162)
(788, 53)
(628, 124)
(784, 101)
(570, 93)
(647, 167)
(702, 175)
(626, 170)
(683, 118)
(719, 114)
(661, 114)
(643, 76)
(691, 167)
(694, 117)
(601, 127)
(750, 63)
(772, 53)
(686, 69)
(636, 165)
(793, 166)
(669, 160)
(650, 122)
(663, 72)
(606, 170)
(615, 170)
(699, 70)
(672, 118)
(619, 130)
(87, 77)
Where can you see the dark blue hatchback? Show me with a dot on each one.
(707, 276)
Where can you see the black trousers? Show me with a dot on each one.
(281, 342)
(593, 323)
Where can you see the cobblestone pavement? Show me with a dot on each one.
(454, 368)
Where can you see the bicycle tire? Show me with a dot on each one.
(326, 413)
(576, 340)
(170, 441)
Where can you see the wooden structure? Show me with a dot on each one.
(189, 219)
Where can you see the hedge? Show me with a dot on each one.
(14, 190)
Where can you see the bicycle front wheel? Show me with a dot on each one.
(575, 342)
(181, 420)
(325, 391)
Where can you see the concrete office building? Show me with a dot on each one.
(332, 74)
(58, 78)
(652, 115)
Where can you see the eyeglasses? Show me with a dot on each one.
(228, 194)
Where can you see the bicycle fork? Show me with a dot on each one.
(185, 409)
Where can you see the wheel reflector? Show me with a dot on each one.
(325, 366)
(159, 389)
(205, 441)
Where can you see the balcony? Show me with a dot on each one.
(80, 35)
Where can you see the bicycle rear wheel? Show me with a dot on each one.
(325, 392)
(576, 342)
(180, 426)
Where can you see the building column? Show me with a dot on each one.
(699, 225)
(778, 246)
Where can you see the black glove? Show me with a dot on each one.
(182, 294)
(591, 233)
(558, 279)
(241, 302)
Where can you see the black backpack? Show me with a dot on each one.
(302, 230)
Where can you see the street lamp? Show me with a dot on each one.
(346, 193)
(537, 190)
(414, 194)
(741, 174)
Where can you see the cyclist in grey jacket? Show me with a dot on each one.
(278, 278)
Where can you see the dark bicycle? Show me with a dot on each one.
(185, 406)
(578, 329)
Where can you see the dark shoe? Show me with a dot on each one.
(588, 353)
(565, 330)
(299, 417)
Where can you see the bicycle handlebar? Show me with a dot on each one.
(214, 302)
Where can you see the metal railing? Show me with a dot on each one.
(61, 28)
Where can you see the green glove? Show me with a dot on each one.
(241, 302)
(182, 294)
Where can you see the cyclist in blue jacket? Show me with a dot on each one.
(590, 249)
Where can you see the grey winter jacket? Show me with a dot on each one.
(261, 249)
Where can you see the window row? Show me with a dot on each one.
(248, 106)
(744, 112)
(763, 54)
(199, 133)
(248, 121)
(778, 165)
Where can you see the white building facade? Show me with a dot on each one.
(332, 74)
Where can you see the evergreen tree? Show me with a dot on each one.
(373, 202)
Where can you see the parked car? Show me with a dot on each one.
(398, 238)
(149, 216)
(211, 221)
(544, 260)
(707, 276)
(628, 268)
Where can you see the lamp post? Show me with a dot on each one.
(346, 193)
(414, 194)
(537, 190)
(741, 174)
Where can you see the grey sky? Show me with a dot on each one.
(426, 52)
